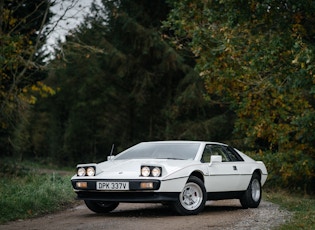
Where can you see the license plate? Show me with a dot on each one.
(112, 185)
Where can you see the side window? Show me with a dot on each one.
(217, 150)
(233, 156)
(206, 154)
(227, 153)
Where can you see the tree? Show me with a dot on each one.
(121, 82)
(21, 34)
(24, 27)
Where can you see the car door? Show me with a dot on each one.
(244, 168)
(222, 176)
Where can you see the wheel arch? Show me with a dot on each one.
(262, 176)
(257, 172)
(199, 175)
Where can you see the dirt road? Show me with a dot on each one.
(226, 214)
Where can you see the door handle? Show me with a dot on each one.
(234, 167)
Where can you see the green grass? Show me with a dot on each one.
(28, 193)
(301, 206)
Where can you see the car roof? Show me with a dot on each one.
(187, 141)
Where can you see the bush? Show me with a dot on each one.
(289, 170)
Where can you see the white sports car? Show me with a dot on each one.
(182, 174)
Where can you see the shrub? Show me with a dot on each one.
(289, 170)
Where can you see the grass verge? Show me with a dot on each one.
(302, 207)
(33, 193)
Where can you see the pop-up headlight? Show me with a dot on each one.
(90, 171)
(156, 171)
(86, 170)
(145, 171)
(151, 171)
(81, 171)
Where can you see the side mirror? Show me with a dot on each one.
(110, 157)
(215, 159)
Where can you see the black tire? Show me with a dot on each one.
(252, 196)
(101, 206)
(192, 199)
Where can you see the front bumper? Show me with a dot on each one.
(134, 194)
(134, 185)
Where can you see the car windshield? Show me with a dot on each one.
(158, 150)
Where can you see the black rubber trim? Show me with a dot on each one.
(132, 197)
(133, 184)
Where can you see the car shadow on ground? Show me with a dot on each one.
(159, 210)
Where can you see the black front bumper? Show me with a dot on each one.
(130, 197)
(134, 194)
(133, 184)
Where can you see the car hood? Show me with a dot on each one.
(130, 169)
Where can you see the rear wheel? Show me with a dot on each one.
(101, 206)
(252, 196)
(192, 199)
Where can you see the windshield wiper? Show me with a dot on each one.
(170, 158)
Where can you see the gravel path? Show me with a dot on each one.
(266, 216)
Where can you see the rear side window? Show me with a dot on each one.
(232, 154)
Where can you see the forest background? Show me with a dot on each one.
(239, 72)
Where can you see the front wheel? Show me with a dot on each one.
(101, 206)
(192, 199)
(252, 196)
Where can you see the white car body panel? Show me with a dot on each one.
(172, 185)
(222, 177)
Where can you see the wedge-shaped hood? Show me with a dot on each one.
(130, 169)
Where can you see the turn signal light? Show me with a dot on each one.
(81, 184)
(146, 185)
